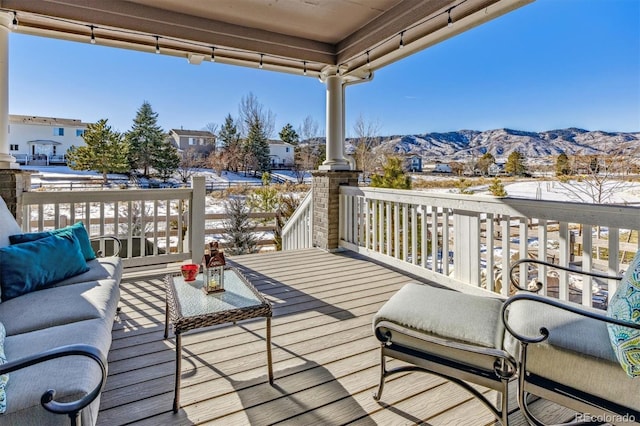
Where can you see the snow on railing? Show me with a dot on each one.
(297, 232)
(461, 239)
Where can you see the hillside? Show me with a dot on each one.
(463, 144)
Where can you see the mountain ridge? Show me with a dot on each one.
(464, 144)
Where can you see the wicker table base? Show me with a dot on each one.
(188, 308)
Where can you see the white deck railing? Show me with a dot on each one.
(297, 232)
(154, 225)
(460, 240)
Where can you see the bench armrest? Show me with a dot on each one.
(117, 244)
(516, 267)
(71, 408)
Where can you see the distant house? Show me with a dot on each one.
(413, 163)
(280, 154)
(202, 141)
(43, 140)
(496, 169)
(442, 168)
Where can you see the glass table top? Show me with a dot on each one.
(193, 301)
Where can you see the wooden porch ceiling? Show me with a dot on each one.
(326, 360)
(286, 35)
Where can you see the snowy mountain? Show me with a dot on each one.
(500, 143)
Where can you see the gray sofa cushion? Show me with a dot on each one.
(60, 305)
(445, 313)
(578, 352)
(8, 224)
(99, 269)
(71, 377)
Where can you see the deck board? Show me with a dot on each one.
(325, 358)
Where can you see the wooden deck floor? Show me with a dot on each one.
(326, 360)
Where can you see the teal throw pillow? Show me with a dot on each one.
(625, 305)
(39, 264)
(78, 230)
(4, 378)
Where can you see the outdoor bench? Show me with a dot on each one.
(54, 340)
(557, 350)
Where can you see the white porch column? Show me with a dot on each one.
(7, 161)
(335, 117)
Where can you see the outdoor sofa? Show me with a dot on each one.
(579, 357)
(55, 337)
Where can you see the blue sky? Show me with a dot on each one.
(552, 64)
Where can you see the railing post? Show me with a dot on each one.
(196, 225)
(326, 205)
(466, 228)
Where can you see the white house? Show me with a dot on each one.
(280, 154)
(43, 140)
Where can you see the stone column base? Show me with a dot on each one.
(13, 182)
(326, 205)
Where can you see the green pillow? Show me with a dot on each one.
(39, 264)
(4, 378)
(78, 230)
(625, 305)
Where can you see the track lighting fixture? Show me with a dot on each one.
(304, 67)
(157, 44)
(449, 21)
(93, 36)
(260, 66)
(14, 23)
(401, 39)
(213, 54)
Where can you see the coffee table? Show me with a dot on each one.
(189, 308)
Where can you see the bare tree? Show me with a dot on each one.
(308, 130)
(251, 111)
(366, 140)
(190, 162)
(305, 158)
(213, 128)
(599, 178)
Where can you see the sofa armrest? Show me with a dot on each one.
(116, 245)
(71, 408)
(516, 267)
(569, 307)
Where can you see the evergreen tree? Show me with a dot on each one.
(145, 138)
(231, 145)
(562, 165)
(289, 135)
(497, 188)
(257, 146)
(515, 164)
(239, 231)
(167, 160)
(393, 176)
(104, 151)
(229, 134)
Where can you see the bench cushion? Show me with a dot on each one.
(63, 305)
(445, 313)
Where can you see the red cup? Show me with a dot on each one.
(189, 271)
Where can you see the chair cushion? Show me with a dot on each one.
(8, 224)
(78, 230)
(445, 313)
(625, 305)
(38, 264)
